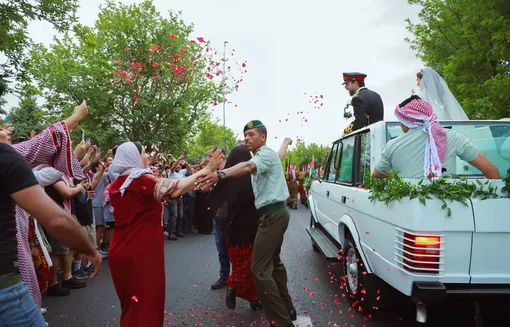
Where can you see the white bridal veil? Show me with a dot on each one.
(435, 91)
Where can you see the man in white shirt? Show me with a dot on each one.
(178, 170)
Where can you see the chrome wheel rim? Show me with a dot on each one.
(352, 270)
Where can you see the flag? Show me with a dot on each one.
(312, 170)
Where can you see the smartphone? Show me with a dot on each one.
(185, 153)
(82, 134)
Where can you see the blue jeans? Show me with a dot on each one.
(189, 212)
(176, 216)
(221, 246)
(18, 309)
(167, 215)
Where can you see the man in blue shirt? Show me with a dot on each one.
(271, 193)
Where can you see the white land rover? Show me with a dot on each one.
(416, 249)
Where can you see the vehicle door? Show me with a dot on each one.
(337, 189)
(322, 188)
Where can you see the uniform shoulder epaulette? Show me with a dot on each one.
(348, 129)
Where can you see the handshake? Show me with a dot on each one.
(208, 177)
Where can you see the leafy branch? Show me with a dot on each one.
(506, 180)
(394, 188)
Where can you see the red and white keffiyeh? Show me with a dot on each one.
(418, 113)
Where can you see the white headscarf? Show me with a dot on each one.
(128, 161)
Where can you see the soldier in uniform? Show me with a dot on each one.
(368, 105)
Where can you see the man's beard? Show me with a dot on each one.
(352, 92)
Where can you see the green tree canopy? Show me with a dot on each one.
(303, 154)
(14, 19)
(144, 76)
(26, 117)
(468, 43)
(210, 134)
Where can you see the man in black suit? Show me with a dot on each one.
(368, 105)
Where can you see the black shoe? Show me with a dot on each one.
(230, 299)
(172, 237)
(180, 235)
(293, 314)
(57, 290)
(74, 283)
(89, 270)
(255, 305)
(79, 275)
(220, 283)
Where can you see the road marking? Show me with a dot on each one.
(303, 321)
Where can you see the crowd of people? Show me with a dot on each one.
(117, 202)
(68, 209)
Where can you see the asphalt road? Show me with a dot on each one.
(192, 266)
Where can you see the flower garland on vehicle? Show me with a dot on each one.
(506, 180)
(394, 188)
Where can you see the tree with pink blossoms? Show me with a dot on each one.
(145, 76)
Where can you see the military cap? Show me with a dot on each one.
(253, 124)
(348, 77)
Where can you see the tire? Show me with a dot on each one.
(312, 225)
(360, 286)
(315, 247)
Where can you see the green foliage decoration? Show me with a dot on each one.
(394, 188)
(506, 180)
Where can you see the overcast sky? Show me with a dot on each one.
(296, 47)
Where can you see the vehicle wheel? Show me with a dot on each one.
(361, 286)
(315, 247)
(312, 221)
(312, 225)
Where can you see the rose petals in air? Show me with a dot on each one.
(134, 298)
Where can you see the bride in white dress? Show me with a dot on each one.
(435, 91)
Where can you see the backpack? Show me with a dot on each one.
(83, 209)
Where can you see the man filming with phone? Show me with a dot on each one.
(178, 170)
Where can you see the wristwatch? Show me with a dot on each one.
(221, 175)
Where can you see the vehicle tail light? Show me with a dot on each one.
(421, 253)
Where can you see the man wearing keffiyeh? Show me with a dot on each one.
(427, 149)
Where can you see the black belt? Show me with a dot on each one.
(9, 280)
(271, 207)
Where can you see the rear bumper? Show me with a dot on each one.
(434, 292)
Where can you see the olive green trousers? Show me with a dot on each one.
(268, 270)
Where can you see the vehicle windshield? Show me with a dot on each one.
(491, 138)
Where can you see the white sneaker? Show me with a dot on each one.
(165, 233)
(43, 310)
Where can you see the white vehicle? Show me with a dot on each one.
(416, 249)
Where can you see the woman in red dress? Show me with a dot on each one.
(136, 256)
